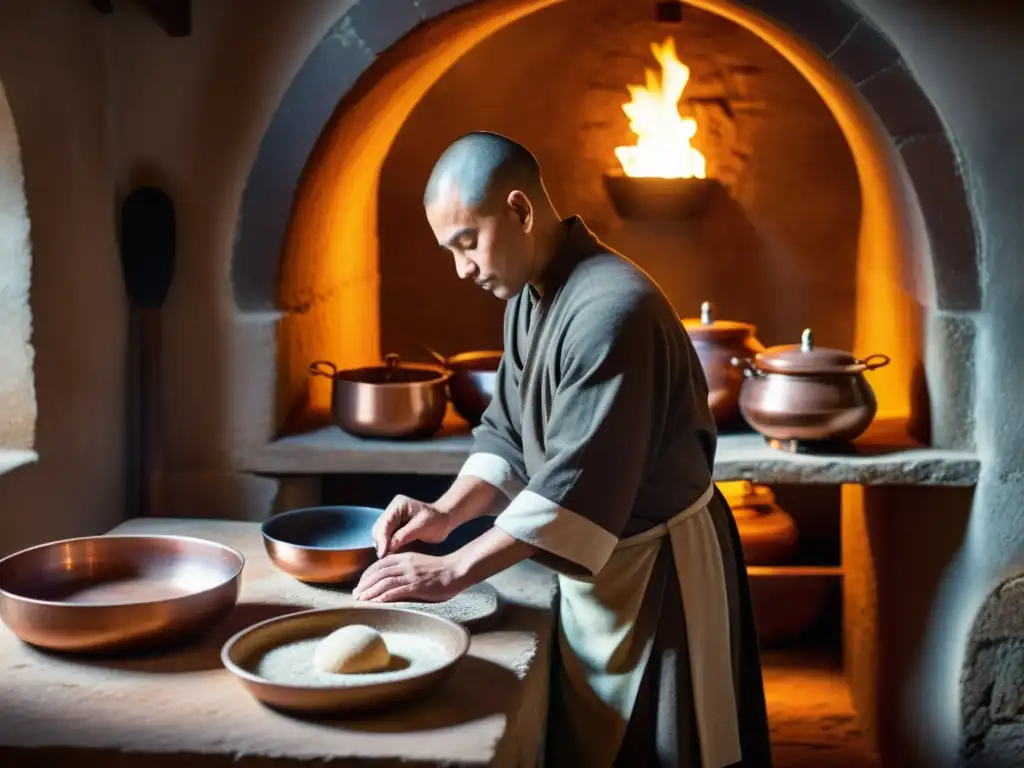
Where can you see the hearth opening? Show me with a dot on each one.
(696, 148)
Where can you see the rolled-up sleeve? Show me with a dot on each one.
(597, 443)
(497, 453)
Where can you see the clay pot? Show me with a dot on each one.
(802, 393)
(768, 533)
(786, 604)
(717, 342)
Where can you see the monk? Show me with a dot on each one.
(596, 453)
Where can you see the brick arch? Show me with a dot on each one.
(17, 379)
(839, 33)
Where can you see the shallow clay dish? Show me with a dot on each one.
(105, 593)
(274, 659)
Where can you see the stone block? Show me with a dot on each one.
(900, 103)
(327, 75)
(950, 373)
(864, 52)
(823, 23)
(428, 9)
(382, 23)
(941, 191)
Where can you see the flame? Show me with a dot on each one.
(662, 148)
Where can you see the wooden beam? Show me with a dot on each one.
(173, 16)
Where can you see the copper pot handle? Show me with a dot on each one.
(750, 370)
(315, 368)
(871, 362)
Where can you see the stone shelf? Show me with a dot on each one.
(885, 455)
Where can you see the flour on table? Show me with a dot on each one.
(292, 663)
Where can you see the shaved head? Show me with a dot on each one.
(479, 165)
(487, 206)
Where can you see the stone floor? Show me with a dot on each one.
(813, 723)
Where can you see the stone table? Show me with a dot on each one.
(183, 708)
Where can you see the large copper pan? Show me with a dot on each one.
(394, 400)
(104, 593)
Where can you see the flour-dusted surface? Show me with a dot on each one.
(491, 712)
(480, 605)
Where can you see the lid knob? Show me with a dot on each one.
(806, 340)
(391, 360)
(707, 313)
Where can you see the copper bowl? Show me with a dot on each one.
(471, 386)
(322, 545)
(410, 678)
(103, 593)
(394, 400)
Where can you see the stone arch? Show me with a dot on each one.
(840, 34)
(17, 384)
(345, 105)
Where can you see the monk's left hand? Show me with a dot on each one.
(409, 576)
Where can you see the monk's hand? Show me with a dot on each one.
(407, 520)
(409, 576)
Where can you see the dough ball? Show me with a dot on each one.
(352, 649)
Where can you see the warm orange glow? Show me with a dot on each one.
(662, 148)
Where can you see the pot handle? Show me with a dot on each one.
(871, 362)
(316, 368)
(750, 370)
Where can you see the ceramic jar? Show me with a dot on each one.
(717, 342)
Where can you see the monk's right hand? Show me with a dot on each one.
(407, 520)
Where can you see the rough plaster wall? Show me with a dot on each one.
(744, 254)
(17, 388)
(53, 68)
(190, 114)
(961, 54)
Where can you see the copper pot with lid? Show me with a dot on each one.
(716, 343)
(802, 393)
(393, 400)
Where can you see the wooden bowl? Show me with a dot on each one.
(105, 593)
(426, 649)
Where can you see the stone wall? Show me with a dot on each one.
(17, 384)
(992, 698)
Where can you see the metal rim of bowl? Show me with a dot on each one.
(306, 510)
(85, 606)
(243, 674)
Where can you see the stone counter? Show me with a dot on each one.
(168, 709)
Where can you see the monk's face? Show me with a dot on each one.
(492, 244)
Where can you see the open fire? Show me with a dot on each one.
(662, 148)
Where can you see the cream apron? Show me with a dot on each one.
(604, 656)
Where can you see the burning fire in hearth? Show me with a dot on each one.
(662, 148)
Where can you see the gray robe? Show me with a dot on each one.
(600, 429)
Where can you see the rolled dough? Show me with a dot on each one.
(352, 649)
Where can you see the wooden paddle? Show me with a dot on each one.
(148, 239)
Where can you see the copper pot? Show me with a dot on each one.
(716, 343)
(394, 400)
(797, 392)
(473, 377)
